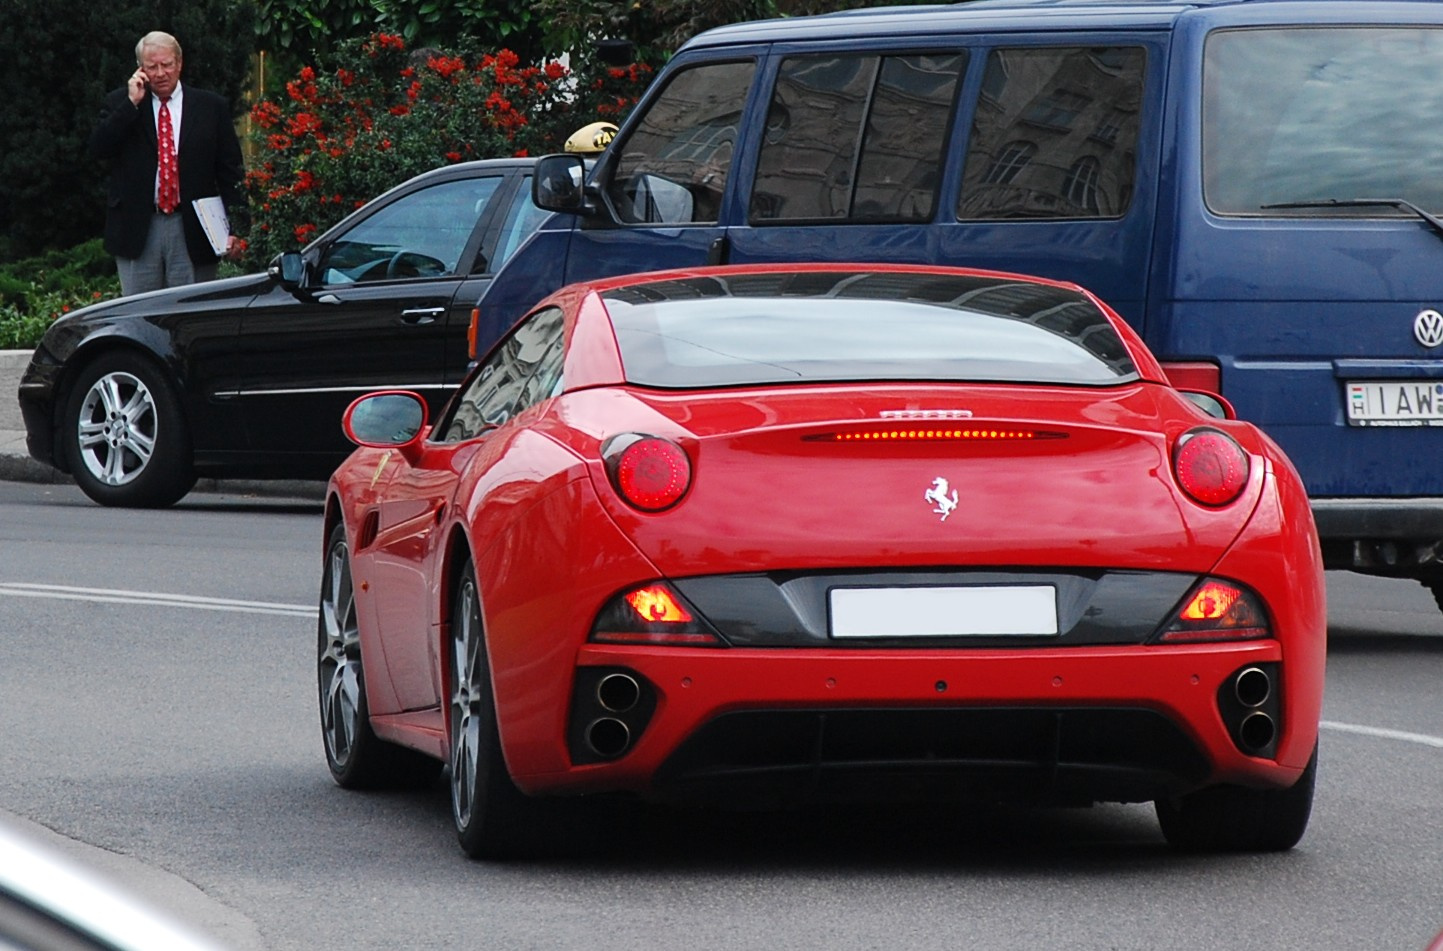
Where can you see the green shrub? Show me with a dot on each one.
(35, 291)
(20, 331)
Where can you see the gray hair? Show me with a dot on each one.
(157, 38)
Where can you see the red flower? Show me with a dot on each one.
(303, 232)
(446, 65)
(453, 156)
(266, 114)
(304, 122)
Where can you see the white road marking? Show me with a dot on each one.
(118, 596)
(1382, 734)
(114, 596)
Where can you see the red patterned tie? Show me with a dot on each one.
(168, 198)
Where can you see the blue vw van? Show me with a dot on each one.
(1254, 184)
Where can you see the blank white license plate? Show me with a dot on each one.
(1395, 403)
(944, 612)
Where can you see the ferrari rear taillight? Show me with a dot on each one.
(652, 614)
(649, 472)
(656, 603)
(1218, 610)
(1210, 466)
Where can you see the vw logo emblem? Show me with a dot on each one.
(1428, 328)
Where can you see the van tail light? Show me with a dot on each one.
(652, 614)
(649, 472)
(471, 331)
(1217, 610)
(1210, 466)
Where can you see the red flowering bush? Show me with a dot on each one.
(346, 132)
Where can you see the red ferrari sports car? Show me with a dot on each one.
(824, 533)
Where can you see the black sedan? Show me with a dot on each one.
(246, 377)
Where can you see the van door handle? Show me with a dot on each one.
(719, 251)
(422, 315)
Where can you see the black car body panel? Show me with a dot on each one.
(263, 369)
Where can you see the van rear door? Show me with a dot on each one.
(1307, 258)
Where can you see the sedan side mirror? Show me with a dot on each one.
(289, 268)
(559, 184)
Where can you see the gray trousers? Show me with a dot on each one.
(164, 262)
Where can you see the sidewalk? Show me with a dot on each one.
(17, 466)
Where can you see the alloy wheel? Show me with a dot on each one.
(117, 427)
(340, 658)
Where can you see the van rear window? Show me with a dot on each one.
(1311, 114)
(797, 328)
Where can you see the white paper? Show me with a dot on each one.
(213, 220)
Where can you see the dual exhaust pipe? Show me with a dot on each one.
(1250, 707)
(610, 707)
(609, 736)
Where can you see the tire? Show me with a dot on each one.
(494, 819)
(357, 758)
(124, 435)
(1236, 819)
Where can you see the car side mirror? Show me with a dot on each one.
(388, 419)
(289, 268)
(559, 184)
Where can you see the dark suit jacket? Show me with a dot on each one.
(209, 159)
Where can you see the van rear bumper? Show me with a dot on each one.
(1387, 536)
(1379, 518)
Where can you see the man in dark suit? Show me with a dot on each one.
(150, 224)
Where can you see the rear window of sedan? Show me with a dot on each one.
(767, 329)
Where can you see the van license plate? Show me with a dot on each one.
(1395, 403)
(944, 612)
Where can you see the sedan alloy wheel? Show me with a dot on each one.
(126, 438)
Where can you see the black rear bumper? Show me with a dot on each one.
(1052, 756)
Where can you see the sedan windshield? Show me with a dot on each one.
(839, 326)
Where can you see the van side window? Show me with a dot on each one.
(856, 137)
(673, 167)
(1304, 114)
(1055, 134)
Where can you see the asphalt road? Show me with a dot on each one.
(156, 692)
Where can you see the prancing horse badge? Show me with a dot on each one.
(938, 496)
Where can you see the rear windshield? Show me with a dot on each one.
(1320, 113)
(833, 326)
